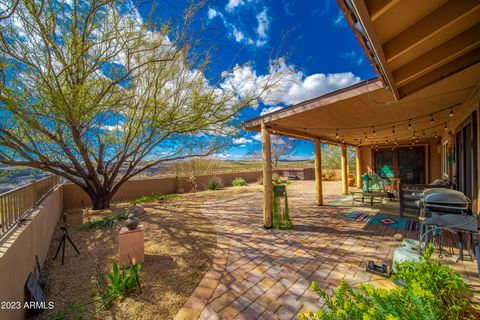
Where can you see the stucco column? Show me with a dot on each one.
(318, 173)
(344, 169)
(358, 165)
(267, 177)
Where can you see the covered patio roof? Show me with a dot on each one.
(412, 44)
(368, 109)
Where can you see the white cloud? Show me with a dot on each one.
(270, 109)
(262, 23)
(237, 34)
(257, 136)
(339, 20)
(241, 141)
(353, 57)
(212, 13)
(291, 86)
(232, 4)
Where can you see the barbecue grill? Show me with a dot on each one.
(448, 209)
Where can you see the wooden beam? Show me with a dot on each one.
(437, 22)
(267, 178)
(358, 164)
(372, 37)
(318, 173)
(378, 7)
(344, 170)
(364, 87)
(301, 135)
(469, 59)
(439, 56)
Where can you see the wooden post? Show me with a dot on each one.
(344, 170)
(267, 178)
(318, 173)
(358, 164)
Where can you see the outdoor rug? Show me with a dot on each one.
(379, 220)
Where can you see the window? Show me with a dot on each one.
(445, 158)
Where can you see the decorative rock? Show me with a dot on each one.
(131, 222)
(398, 237)
(135, 210)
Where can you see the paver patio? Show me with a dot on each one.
(265, 274)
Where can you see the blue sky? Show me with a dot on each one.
(320, 49)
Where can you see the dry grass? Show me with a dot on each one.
(179, 247)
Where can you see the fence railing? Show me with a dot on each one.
(14, 204)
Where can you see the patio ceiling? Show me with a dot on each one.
(412, 44)
(368, 106)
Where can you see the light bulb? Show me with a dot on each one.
(451, 113)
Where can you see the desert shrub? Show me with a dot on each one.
(214, 183)
(239, 182)
(276, 178)
(152, 197)
(260, 181)
(107, 222)
(120, 283)
(428, 290)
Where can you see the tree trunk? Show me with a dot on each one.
(100, 201)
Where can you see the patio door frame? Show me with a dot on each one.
(461, 184)
(395, 158)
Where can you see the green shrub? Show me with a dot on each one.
(276, 178)
(431, 291)
(239, 182)
(72, 311)
(214, 183)
(107, 222)
(121, 283)
(152, 197)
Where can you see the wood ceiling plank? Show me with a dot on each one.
(435, 23)
(377, 8)
(439, 56)
(469, 59)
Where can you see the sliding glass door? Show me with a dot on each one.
(408, 164)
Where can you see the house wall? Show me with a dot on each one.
(433, 158)
(73, 196)
(461, 115)
(18, 250)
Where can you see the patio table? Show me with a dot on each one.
(374, 197)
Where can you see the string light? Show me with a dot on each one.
(386, 140)
(337, 135)
(423, 133)
(409, 124)
(451, 114)
(436, 136)
(343, 140)
(414, 136)
(431, 119)
(373, 131)
(393, 130)
(446, 127)
(366, 138)
(396, 142)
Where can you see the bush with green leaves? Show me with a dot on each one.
(121, 283)
(239, 182)
(108, 222)
(431, 291)
(152, 197)
(214, 183)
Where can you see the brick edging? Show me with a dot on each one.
(196, 303)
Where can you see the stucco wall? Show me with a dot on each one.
(73, 195)
(18, 250)
(434, 159)
(461, 115)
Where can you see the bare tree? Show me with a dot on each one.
(280, 148)
(93, 92)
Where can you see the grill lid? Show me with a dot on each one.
(444, 196)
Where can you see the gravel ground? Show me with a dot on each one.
(179, 247)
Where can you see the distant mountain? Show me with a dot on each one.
(15, 177)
